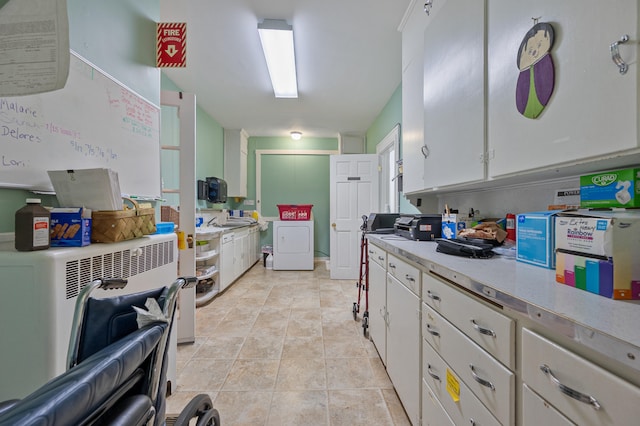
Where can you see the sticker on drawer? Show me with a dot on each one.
(453, 386)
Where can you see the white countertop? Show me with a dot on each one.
(609, 326)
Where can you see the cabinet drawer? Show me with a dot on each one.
(536, 411)
(378, 255)
(487, 378)
(490, 329)
(599, 397)
(407, 274)
(468, 409)
(433, 414)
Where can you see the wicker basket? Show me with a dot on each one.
(120, 225)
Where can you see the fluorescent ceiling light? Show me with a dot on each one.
(276, 37)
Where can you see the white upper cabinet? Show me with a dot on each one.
(412, 106)
(593, 110)
(454, 95)
(235, 162)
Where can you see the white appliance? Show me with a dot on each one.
(293, 245)
(38, 292)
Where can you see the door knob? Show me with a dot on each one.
(333, 225)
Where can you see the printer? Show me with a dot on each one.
(381, 223)
(422, 227)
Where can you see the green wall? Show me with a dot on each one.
(209, 143)
(293, 179)
(388, 118)
(117, 36)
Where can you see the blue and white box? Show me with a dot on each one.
(535, 238)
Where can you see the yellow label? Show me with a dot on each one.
(453, 386)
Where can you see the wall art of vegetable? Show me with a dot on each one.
(537, 74)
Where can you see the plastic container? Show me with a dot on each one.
(32, 227)
(295, 211)
(164, 227)
(269, 261)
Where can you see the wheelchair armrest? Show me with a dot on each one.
(79, 392)
(7, 405)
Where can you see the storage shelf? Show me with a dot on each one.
(201, 257)
(207, 276)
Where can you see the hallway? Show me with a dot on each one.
(282, 348)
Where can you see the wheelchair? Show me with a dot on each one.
(116, 368)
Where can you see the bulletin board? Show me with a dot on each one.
(93, 122)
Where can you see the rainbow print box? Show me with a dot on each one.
(598, 252)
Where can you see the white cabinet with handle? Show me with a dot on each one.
(235, 161)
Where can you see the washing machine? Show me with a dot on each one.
(293, 245)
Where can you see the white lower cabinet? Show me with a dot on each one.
(461, 404)
(433, 413)
(403, 345)
(536, 411)
(488, 379)
(378, 308)
(582, 391)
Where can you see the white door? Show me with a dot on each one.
(178, 151)
(353, 193)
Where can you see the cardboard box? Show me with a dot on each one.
(535, 242)
(597, 252)
(70, 227)
(617, 188)
(451, 225)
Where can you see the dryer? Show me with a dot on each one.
(293, 245)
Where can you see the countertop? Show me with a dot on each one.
(221, 229)
(611, 327)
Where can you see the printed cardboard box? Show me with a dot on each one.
(598, 251)
(535, 242)
(617, 188)
(70, 227)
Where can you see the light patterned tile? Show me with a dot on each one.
(301, 374)
(358, 407)
(295, 408)
(239, 408)
(252, 375)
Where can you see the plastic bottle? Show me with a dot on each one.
(511, 226)
(32, 227)
(270, 261)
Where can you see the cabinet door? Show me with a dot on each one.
(403, 345)
(226, 264)
(454, 95)
(378, 309)
(235, 162)
(593, 109)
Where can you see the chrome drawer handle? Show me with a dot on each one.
(433, 296)
(391, 265)
(431, 331)
(380, 258)
(472, 422)
(582, 397)
(482, 330)
(480, 380)
(409, 278)
(429, 371)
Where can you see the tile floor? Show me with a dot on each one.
(282, 348)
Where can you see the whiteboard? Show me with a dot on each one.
(94, 121)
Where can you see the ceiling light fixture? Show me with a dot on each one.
(276, 37)
(296, 136)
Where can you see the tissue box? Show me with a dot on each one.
(618, 188)
(70, 227)
(451, 226)
(535, 242)
(597, 252)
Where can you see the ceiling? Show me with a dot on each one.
(348, 57)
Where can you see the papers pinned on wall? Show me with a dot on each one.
(95, 189)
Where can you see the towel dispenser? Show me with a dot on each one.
(213, 190)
